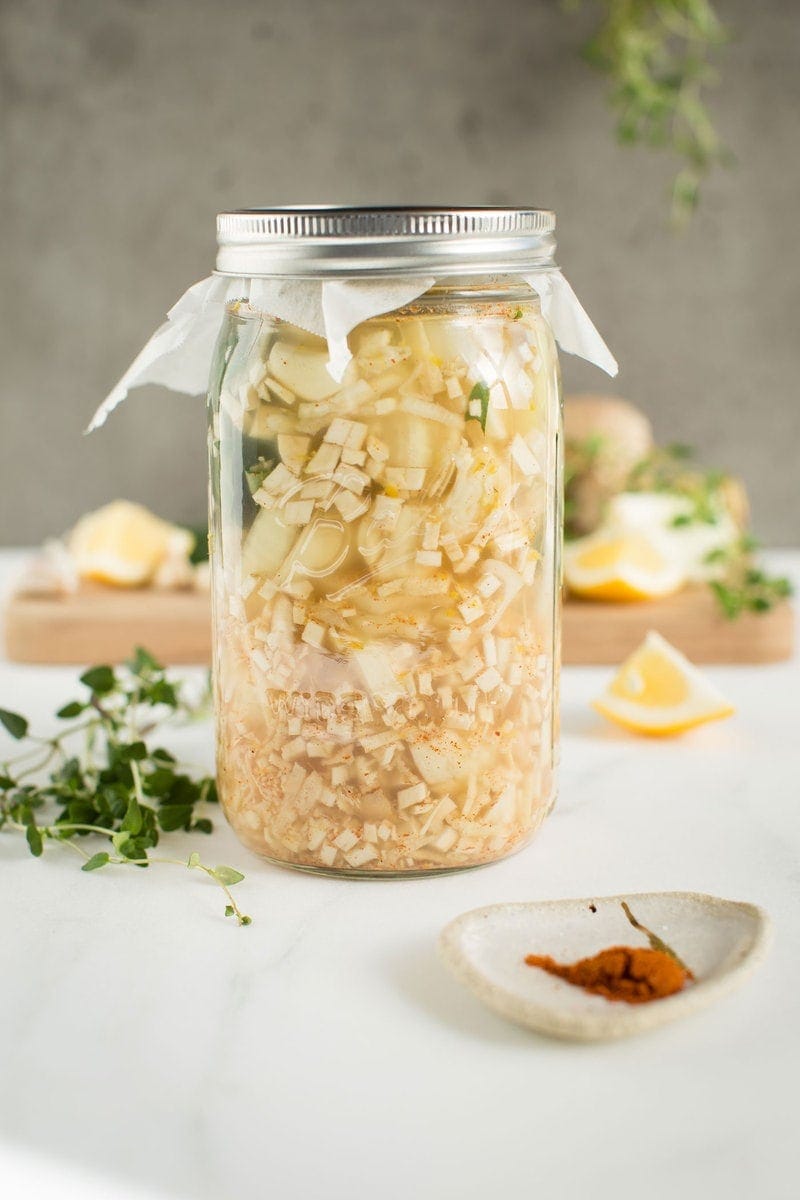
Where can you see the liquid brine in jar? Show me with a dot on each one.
(386, 583)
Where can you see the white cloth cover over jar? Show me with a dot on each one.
(179, 354)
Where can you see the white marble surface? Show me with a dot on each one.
(150, 1048)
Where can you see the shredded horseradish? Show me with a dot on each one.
(386, 644)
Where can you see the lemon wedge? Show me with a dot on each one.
(124, 544)
(658, 692)
(621, 567)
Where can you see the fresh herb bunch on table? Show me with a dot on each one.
(709, 506)
(100, 776)
(739, 584)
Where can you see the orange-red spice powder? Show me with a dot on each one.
(635, 975)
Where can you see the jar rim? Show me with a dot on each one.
(322, 241)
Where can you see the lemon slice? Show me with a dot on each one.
(657, 691)
(621, 567)
(124, 544)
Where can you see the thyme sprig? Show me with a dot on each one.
(656, 55)
(744, 586)
(741, 586)
(115, 785)
(479, 395)
(671, 469)
(580, 457)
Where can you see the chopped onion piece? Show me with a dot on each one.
(379, 677)
(377, 449)
(489, 679)
(446, 840)
(471, 609)
(385, 509)
(458, 636)
(346, 840)
(407, 479)
(351, 478)
(361, 856)
(278, 390)
(279, 480)
(452, 549)
(314, 634)
(432, 412)
(411, 795)
(437, 585)
(293, 449)
(488, 584)
(349, 505)
(523, 457)
(506, 543)
(430, 535)
(298, 512)
(324, 460)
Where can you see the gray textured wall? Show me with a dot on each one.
(127, 125)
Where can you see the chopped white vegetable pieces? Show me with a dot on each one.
(406, 479)
(303, 370)
(314, 634)
(414, 794)
(523, 457)
(298, 512)
(386, 637)
(324, 460)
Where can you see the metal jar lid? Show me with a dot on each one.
(325, 241)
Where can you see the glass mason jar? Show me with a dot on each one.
(386, 575)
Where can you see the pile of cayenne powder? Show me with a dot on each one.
(634, 974)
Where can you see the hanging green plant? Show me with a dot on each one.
(657, 55)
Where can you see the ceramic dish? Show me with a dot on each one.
(721, 941)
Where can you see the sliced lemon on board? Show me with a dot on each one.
(124, 544)
(621, 567)
(658, 692)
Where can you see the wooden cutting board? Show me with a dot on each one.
(100, 624)
(604, 634)
(103, 625)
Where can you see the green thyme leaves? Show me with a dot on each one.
(101, 776)
(656, 57)
(258, 472)
(101, 859)
(711, 498)
(479, 396)
(34, 837)
(16, 725)
(228, 875)
(579, 459)
(99, 679)
(671, 469)
(743, 586)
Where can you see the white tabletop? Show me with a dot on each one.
(148, 1047)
